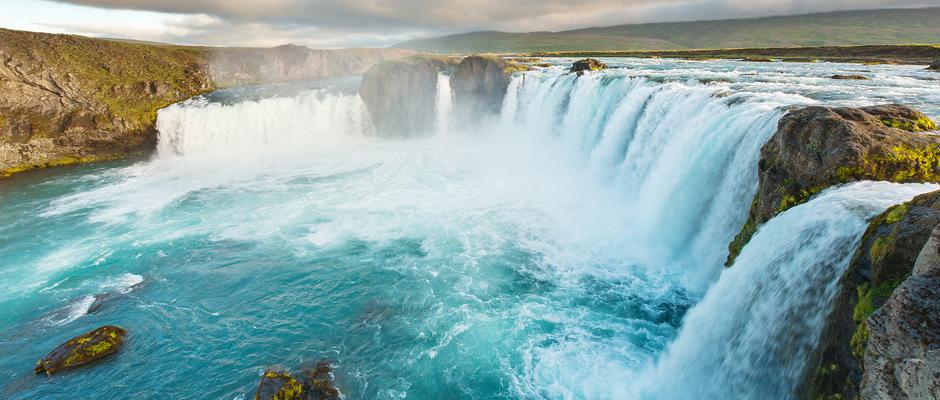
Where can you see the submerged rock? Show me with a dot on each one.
(757, 59)
(894, 242)
(851, 77)
(82, 349)
(587, 64)
(818, 147)
(277, 384)
(400, 95)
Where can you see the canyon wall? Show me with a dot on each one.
(67, 99)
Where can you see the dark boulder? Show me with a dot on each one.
(480, 83)
(315, 383)
(818, 147)
(401, 95)
(851, 77)
(895, 246)
(318, 382)
(935, 66)
(277, 384)
(82, 349)
(587, 64)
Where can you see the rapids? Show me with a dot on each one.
(570, 248)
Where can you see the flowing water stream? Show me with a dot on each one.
(570, 249)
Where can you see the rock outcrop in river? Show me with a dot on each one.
(896, 244)
(400, 95)
(818, 147)
(480, 83)
(314, 384)
(82, 349)
(68, 99)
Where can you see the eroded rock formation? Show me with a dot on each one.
(480, 83)
(400, 95)
(817, 147)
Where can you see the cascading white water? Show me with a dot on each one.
(444, 105)
(681, 156)
(672, 167)
(279, 123)
(752, 334)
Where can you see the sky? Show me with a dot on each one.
(375, 23)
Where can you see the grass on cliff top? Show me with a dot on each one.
(115, 72)
(847, 28)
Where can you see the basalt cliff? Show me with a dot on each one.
(67, 99)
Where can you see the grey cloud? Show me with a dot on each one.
(383, 22)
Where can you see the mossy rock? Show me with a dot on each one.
(82, 349)
(277, 384)
(884, 260)
(815, 148)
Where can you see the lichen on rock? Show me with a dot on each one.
(82, 349)
(817, 147)
(278, 384)
(315, 383)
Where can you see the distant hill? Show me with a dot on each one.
(895, 26)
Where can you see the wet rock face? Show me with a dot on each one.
(401, 95)
(902, 359)
(894, 243)
(587, 64)
(817, 147)
(82, 349)
(479, 85)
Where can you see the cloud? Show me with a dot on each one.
(329, 23)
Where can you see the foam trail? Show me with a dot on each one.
(297, 123)
(751, 335)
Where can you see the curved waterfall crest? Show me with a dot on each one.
(674, 164)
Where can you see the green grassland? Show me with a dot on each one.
(849, 28)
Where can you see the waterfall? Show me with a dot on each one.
(677, 159)
(293, 123)
(751, 335)
(444, 105)
(682, 156)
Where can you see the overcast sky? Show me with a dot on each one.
(374, 23)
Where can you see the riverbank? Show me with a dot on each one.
(891, 54)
